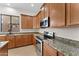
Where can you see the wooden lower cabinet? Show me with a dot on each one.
(49, 51)
(19, 41)
(4, 50)
(2, 37)
(60, 54)
(22, 40)
(11, 40)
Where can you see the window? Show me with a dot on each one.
(9, 23)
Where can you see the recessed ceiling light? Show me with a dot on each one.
(32, 5)
(8, 4)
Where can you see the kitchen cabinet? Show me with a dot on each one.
(57, 14)
(60, 53)
(72, 14)
(36, 22)
(4, 50)
(3, 37)
(27, 39)
(19, 41)
(41, 14)
(46, 9)
(11, 39)
(26, 22)
(22, 40)
(49, 51)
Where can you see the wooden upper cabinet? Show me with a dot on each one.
(41, 14)
(74, 13)
(26, 22)
(36, 22)
(57, 14)
(46, 9)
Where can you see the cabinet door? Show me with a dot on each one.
(49, 51)
(11, 40)
(36, 22)
(57, 14)
(68, 20)
(74, 13)
(47, 9)
(41, 14)
(29, 22)
(26, 22)
(19, 41)
(2, 38)
(27, 39)
(23, 22)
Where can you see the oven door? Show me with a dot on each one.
(39, 47)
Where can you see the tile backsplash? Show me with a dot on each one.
(70, 32)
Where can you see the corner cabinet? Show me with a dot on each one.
(57, 14)
(26, 22)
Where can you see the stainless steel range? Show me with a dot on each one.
(39, 46)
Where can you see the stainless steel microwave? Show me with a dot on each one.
(45, 22)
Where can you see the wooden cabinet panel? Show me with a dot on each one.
(74, 13)
(57, 14)
(4, 50)
(27, 39)
(41, 14)
(19, 41)
(68, 14)
(22, 40)
(49, 51)
(2, 38)
(60, 54)
(47, 9)
(11, 40)
(29, 22)
(23, 22)
(36, 22)
(26, 22)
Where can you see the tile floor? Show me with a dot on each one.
(22, 51)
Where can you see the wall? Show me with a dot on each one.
(70, 33)
(29, 30)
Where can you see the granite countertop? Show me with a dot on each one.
(3, 43)
(18, 33)
(67, 46)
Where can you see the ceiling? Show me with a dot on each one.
(30, 8)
